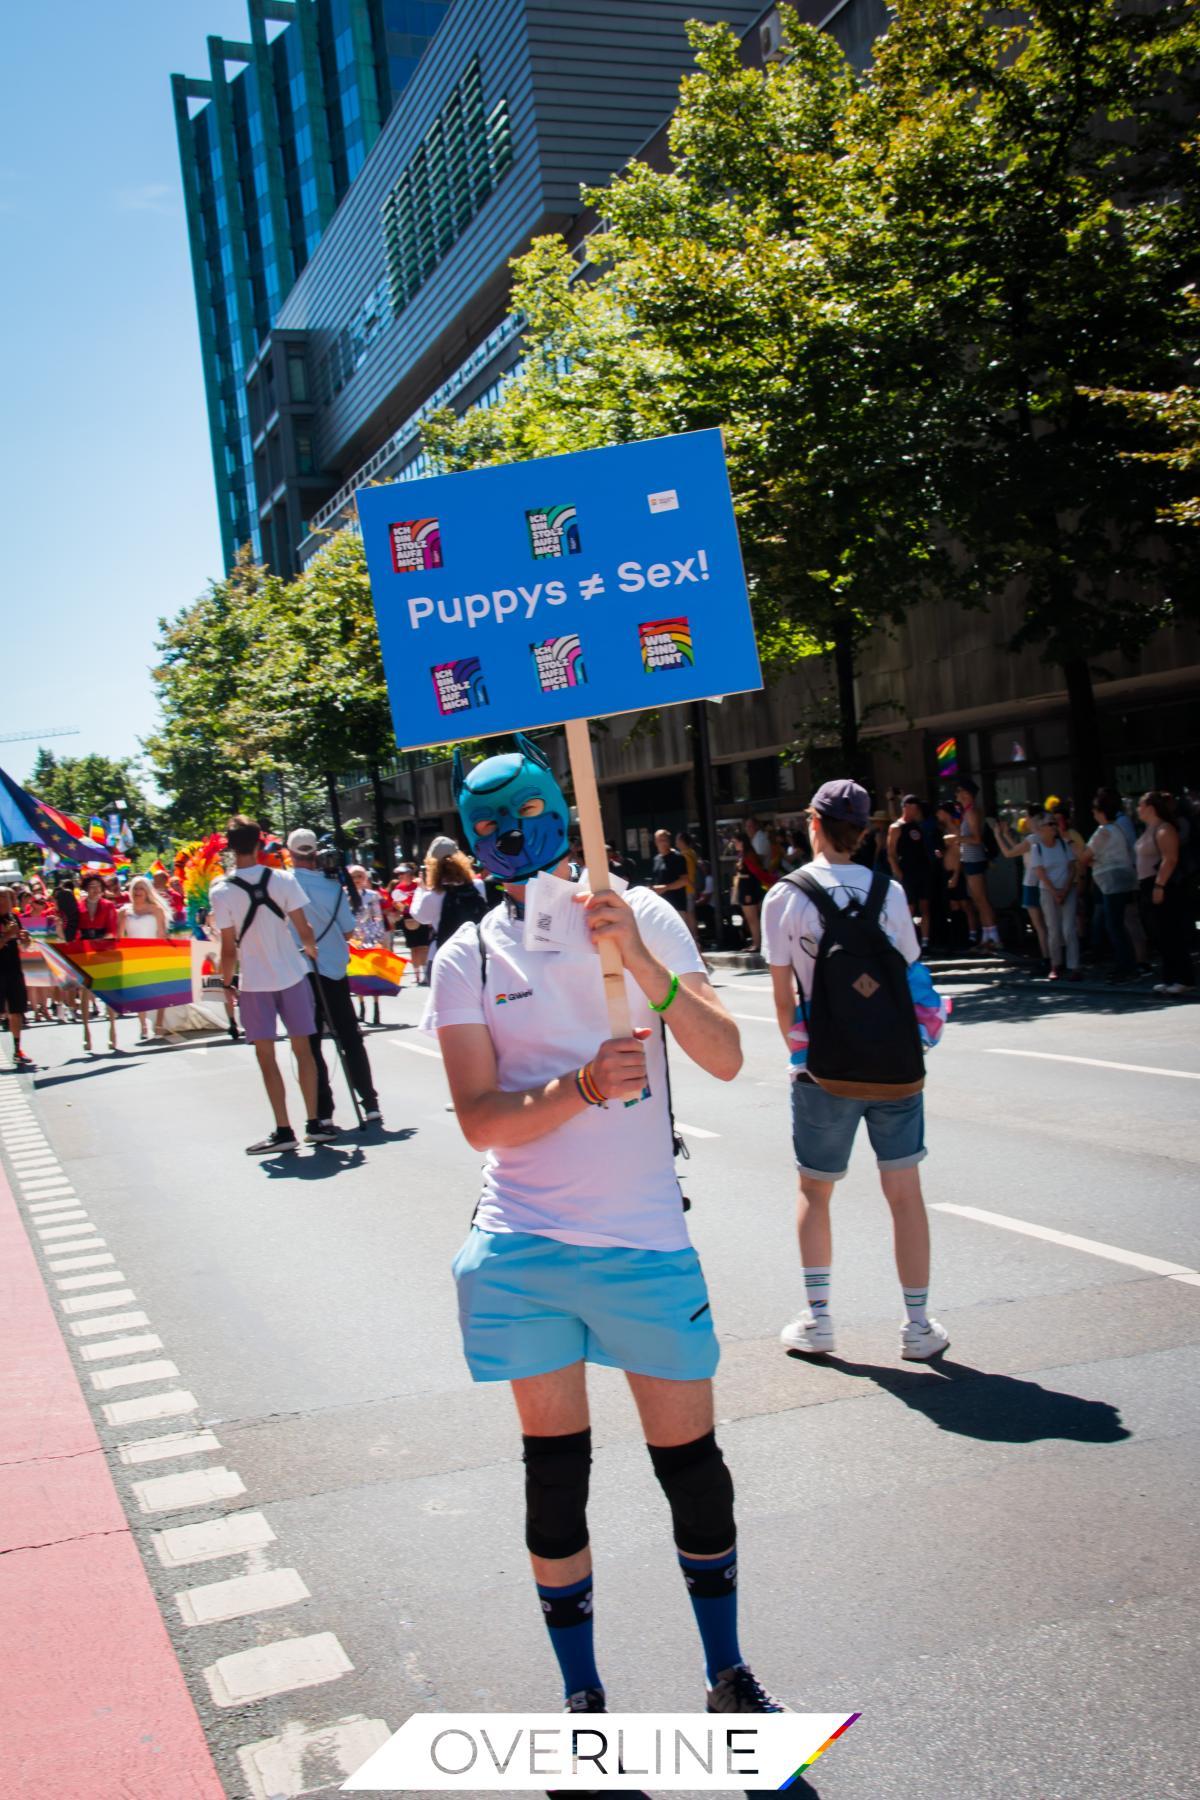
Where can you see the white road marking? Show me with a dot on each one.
(129, 1346)
(212, 1538)
(754, 1018)
(76, 1224)
(275, 1767)
(59, 1213)
(112, 1322)
(241, 1596)
(25, 1161)
(195, 1487)
(91, 1243)
(1094, 1062)
(133, 1374)
(1153, 1265)
(170, 1445)
(43, 1186)
(83, 1262)
(696, 1131)
(278, 1668)
(416, 1049)
(150, 1406)
(39, 1208)
(90, 1302)
(104, 1278)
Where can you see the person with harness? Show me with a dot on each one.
(913, 861)
(578, 1250)
(251, 910)
(841, 938)
(327, 908)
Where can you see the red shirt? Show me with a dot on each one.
(103, 924)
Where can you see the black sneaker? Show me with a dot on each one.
(591, 1700)
(320, 1131)
(234, 1033)
(738, 1690)
(281, 1139)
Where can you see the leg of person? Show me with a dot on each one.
(557, 1439)
(1136, 930)
(1112, 910)
(1033, 912)
(16, 1024)
(896, 1129)
(324, 1109)
(977, 883)
(750, 914)
(1052, 913)
(1070, 926)
(297, 1009)
(926, 922)
(823, 1128)
(340, 1002)
(259, 1015)
(677, 1418)
(1177, 938)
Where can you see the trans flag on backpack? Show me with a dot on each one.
(932, 1010)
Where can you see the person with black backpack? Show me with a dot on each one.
(251, 909)
(450, 895)
(839, 939)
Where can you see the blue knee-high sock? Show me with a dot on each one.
(712, 1585)
(568, 1614)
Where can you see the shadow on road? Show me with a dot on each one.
(1001, 1004)
(995, 1408)
(100, 1063)
(325, 1161)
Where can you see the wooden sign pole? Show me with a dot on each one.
(591, 830)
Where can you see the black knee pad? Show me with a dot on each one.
(556, 1493)
(699, 1490)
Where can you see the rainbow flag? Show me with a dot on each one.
(375, 971)
(133, 975)
(947, 758)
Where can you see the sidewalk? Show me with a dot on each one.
(92, 1699)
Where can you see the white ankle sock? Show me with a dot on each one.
(816, 1287)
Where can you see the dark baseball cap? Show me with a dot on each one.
(842, 800)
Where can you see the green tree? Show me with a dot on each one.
(83, 786)
(318, 686)
(211, 749)
(1038, 171)
(751, 287)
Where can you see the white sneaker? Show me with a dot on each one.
(919, 1342)
(1176, 987)
(811, 1333)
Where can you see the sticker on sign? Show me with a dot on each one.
(667, 501)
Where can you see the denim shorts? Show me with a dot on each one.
(823, 1128)
(1031, 896)
(528, 1305)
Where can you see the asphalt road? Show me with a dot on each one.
(994, 1560)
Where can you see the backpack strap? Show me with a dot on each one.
(872, 907)
(259, 897)
(815, 891)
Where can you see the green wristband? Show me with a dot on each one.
(671, 993)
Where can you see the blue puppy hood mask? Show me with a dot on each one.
(513, 812)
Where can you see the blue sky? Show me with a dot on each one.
(104, 460)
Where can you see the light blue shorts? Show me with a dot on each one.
(528, 1305)
(823, 1128)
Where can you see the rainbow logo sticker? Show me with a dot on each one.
(459, 685)
(416, 544)
(553, 531)
(947, 757)
(666, 644)
(559, 663)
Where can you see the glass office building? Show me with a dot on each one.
(270, 141)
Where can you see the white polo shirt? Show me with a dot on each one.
(606, 1177)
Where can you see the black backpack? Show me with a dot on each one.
(463, 905)
(259, 897)
(863, 1037)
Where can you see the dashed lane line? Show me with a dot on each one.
(414, 1049)
(240, 1596)
(696, 1131)
(1152, 1265)
(1095, 1062)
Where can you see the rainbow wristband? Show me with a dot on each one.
(585, 1081)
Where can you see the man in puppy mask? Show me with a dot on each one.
(578, 1251)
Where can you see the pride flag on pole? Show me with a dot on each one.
(375, 971)
(130, 975)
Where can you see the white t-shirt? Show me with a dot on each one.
(606, 1177)
(792, 927)
(1055, 858)
(427, 904)
(269, 958)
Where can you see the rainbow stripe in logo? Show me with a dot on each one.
(947, 756)
(818, 1753)
(666, 644)
(416, 544)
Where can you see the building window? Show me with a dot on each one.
(297, 370)
(448, 178)
(305, 461)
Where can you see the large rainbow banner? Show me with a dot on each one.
(375, 971)
(132, 975)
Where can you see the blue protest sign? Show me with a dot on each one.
(570, 587)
